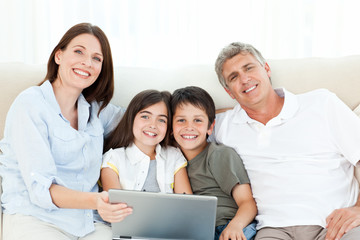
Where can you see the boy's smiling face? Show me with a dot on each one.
(190, 126)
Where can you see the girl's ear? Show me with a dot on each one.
(211, 128)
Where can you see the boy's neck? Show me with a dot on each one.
(190, 154)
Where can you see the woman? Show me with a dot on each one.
(53, 143)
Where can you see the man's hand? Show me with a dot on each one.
(232, 231)
(340, 221)
(111, 212)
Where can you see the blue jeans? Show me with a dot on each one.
(249, 230)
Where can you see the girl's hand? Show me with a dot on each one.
(232, 232)
(111, 212)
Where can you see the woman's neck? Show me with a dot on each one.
(67, 101)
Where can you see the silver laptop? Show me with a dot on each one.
(165, 216)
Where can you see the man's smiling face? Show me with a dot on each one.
(247, 80)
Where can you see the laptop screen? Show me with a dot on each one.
(165, 216)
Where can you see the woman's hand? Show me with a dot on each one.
(111, 212)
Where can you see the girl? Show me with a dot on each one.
(137, 156)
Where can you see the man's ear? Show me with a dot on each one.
(268, 70)
(211, 128)
(229, 92)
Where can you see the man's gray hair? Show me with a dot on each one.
(231, 51)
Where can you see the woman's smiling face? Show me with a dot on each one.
(80, 63)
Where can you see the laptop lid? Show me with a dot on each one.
(165, 216)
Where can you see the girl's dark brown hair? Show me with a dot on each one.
(102, 89)
(123, 135)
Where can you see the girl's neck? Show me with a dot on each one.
(150, 151)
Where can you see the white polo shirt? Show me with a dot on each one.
(301, 163)
(132, 166)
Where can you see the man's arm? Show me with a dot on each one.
(342, 220)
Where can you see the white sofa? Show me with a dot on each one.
(340, 75)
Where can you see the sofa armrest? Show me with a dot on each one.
(357, 174)
(1, 216)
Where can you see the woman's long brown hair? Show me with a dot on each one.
(102, 89)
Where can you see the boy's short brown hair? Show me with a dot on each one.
(197, 97)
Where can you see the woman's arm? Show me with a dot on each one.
(181, 182)
(110, 116)
(66, 198)
(246, 212)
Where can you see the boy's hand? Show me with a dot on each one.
(233, 231)
(109, 212)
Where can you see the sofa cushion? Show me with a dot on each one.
(357, 110)
(357, 169)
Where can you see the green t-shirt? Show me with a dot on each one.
(214, 172)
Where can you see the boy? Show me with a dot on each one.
(213, 169)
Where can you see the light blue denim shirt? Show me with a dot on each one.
(41, 148)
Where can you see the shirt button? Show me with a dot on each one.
(88, 214)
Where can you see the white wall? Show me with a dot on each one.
(168, 33)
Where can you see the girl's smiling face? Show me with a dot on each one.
(150, 126)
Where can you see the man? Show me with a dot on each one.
(299, 151)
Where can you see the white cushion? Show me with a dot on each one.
(357, 110)
(357, 169)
